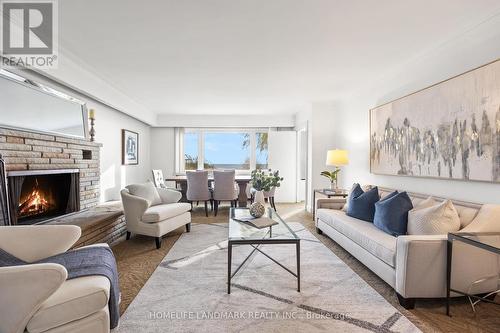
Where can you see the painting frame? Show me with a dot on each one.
(130, 147)
(495, 136)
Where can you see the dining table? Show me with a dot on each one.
(241, 180)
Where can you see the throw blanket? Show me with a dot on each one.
(96, 260)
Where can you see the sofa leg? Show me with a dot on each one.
(188, 227)
(407, 303)
(128, 235)
(158, 242)
(319, 231)
(206, 209)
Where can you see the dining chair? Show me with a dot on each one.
(197, 188)
(225, 188)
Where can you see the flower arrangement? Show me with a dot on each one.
(265, 180)
(332, 177)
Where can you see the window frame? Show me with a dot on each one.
(180, 156)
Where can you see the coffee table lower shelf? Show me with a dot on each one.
(255, 243)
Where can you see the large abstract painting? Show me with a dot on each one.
(450, 130)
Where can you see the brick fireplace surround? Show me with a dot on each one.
(24, 150)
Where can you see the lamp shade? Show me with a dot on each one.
(337, 157)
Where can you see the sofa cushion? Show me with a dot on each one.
(75, 299)
(366, 235)
(438, 219)
(487, 220)
(362, 204)
(162, 212)
(146, 191)
(391, 213)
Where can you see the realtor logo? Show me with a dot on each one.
(29, 33)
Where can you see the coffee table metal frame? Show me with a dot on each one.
(256, 243)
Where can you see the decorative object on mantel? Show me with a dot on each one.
(263, 181)
(450, 130)
(4, 201)
(257, 209)
(130, 147)
(336, 158)
(92, 123)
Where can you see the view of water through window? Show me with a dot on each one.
(225, 150)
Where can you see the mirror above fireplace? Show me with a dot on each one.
(26, 104)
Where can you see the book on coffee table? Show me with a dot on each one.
(259, 223)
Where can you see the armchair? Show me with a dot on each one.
(37, 298)
(150, 216)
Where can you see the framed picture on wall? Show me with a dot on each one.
(450, 130)
(130, 147)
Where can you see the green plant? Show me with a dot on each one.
(265, 180)
(331, 175)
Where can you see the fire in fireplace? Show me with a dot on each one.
(36, 196)
(36, 202)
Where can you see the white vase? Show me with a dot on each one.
(259, 197)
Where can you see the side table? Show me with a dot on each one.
(329, 194)
(488, 241)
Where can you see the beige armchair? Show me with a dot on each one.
(38, 298)
(154, 211)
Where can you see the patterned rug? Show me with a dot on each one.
(188, 291)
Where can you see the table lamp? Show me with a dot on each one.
(336, 158)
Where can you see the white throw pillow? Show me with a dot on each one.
(438, 219)
(429, 202)
(146, 191)
(487, 220)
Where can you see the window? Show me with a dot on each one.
(261, 150)
(238, 149)
(191, 151)
(224, 150)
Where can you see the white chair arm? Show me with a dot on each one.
(23, 289)
(169, 196)
(133, 206)
(421, 266)
(32, 243)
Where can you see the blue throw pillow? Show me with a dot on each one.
(391, 214)
(362, 204)
(390, 195)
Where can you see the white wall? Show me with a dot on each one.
(163, 150)
(109, 124)
(321, 119)
(114, 175)
(283, 157)
(475, 48)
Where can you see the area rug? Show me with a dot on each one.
(188, 291)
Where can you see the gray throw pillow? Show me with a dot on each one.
(146, 191)
(437, 219)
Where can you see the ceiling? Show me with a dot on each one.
(238, 57)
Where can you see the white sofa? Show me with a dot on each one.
(143, 218)
(38, 298)
(414, 265)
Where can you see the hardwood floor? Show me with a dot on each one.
(138, 257)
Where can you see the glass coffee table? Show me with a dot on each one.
(488, 241)
(242, 233)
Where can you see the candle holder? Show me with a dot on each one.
(92, 123)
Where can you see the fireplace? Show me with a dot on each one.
(38, 196)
